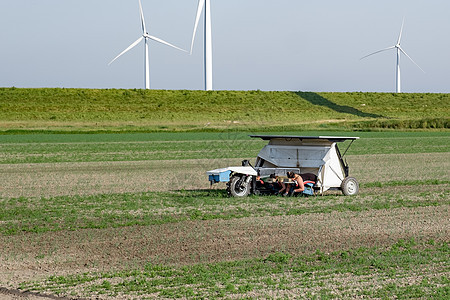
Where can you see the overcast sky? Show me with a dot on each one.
(257, 44)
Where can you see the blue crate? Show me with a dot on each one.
(220, 177)
(309, 190)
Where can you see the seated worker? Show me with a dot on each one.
(283, 185)
(274, 184)
(283, 188)
(259, 182)
(270, 183)
(297, 186)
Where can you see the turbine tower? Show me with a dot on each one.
(146, 37)
(399, 51)
(207, 40)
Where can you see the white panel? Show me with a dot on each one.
(294, 156)
(333, 173)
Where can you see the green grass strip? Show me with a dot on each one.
(56, 148)
(404, 183)
(119, 210)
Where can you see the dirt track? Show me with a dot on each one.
(14, 294)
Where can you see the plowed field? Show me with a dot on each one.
(155, 229)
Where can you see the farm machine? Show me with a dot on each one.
(317, 156)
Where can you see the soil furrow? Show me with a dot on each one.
(36, 256)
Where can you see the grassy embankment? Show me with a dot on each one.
(156, 110)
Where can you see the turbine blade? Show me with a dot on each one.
(201, 4)
(144, 29)
(401, 31)
(129, 47)
(410, 58)
(385, 49)
(164, 42)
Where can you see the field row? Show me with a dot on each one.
(20, 215)
(374, 273)
(142, 147)
(399, 251)
(90, 178)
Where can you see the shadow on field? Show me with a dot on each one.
(316, 99)
(195, 193)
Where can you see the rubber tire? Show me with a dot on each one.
(238, 191)
(350, 186)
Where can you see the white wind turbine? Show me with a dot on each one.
(145, 36)
(399, 50)
(208, 40)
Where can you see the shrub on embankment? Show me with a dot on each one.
(56, 109)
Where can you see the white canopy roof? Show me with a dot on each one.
(335, 139)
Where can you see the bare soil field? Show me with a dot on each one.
(36, 256)
(52, 179)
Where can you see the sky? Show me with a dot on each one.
(282, 45)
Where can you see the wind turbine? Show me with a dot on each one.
(399, 51)
(146, 37)
(208, 40)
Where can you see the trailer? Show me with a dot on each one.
(316, 155)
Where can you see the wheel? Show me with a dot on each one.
(238, 186)
(350, 186)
